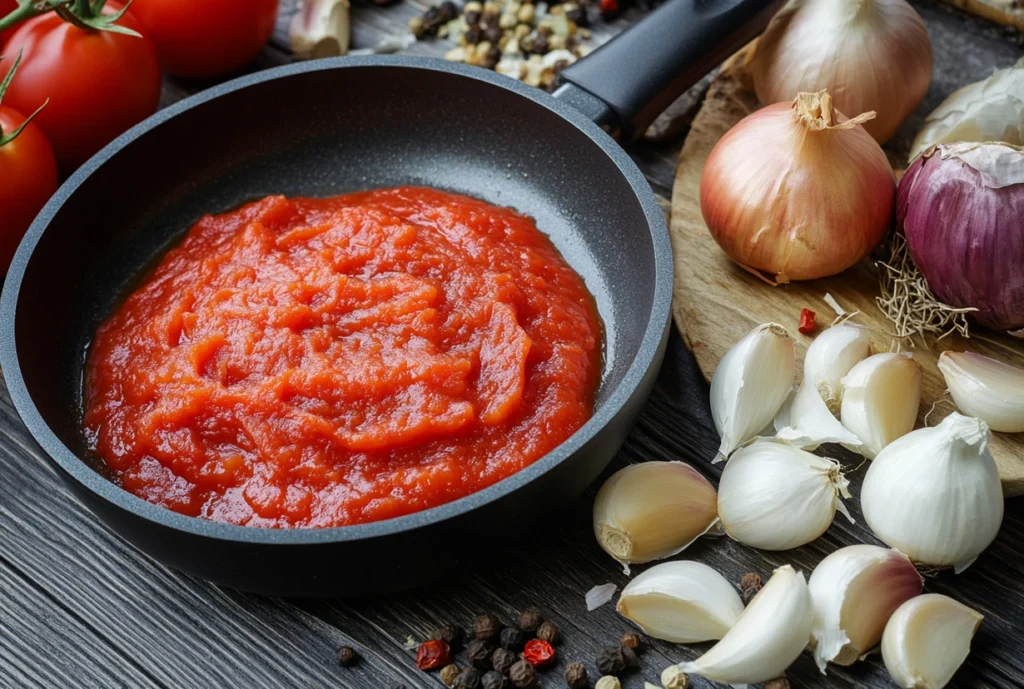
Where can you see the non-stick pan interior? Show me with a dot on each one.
(321, 132)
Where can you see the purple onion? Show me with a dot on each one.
(961, 207)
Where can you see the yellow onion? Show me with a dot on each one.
(871, 54)
(797, 190)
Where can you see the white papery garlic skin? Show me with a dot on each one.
(805, 421)
(750, 384)
(772, 631)
(684, 602)
(935, 495)
(653, 510)
(985, 388)
(831, 356)
(775, 496)
(927, 639)
(854, 591)
(320, 28)
(881, 396)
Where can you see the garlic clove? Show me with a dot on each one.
(750, 384)
(772, 631)
(805, 421)
(935, 494)
(927, 640)
(683, 602)
(775, 496)
(985, 388)
(320, 28)
(831, 356)
(881, 396)
(653, 510)
(854, 591)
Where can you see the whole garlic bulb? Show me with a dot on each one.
(871, 54)
(935, 495)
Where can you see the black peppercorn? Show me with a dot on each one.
(472, 35)
(451, 634)
(472, 17)
(577, 15)
(540, 44)
(512, 638)
(493, 680)
(347, 656)
(502, 660)
(523, 675)
(548, 631)
(750, 584)
(529, 620)
(492, 58)
(468, 679)
(493, 34)
(479, 654)
(489, 19)
(487, 627)
(448, 10)
(610, 660)
(450, 673)
(633, 641)
(576, 676)
(630, 659)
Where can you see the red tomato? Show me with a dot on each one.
(99, 83)
(202, 39)
(28, 178)
(6, 7)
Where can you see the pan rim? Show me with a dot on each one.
(76, 469)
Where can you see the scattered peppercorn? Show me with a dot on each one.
(633, 641)
(779, 683)
(449, 673)
(493, 680)
(608, 682)
(538, 652)
(473, 35)
(674, 678)
(576, 676)
(502, 660)
(479, 654)
(493, 33)
(523, 675)
(750, 584)
(577, 14)
(433, 654)
(472, 12)
(451, 634)
(548, 631)
(468, 679)
(630, 658)
(487, 627)
(512, 638)
(610, 660)
(347, 656)
(529, 620)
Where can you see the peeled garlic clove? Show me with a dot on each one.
(769, 635)
(854, 591)
(684, 602)
(775, 496)
(750, 384)
(985, 388)
(831, 356)
(805, 421)
(935, 495)
(881, 396)
(653, 510)
(927, 640)
(320, 28)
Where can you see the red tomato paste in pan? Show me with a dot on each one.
(313, 363)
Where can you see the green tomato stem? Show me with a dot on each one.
(8, 138)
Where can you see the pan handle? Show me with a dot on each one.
(630, 80)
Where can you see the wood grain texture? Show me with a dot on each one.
(80, 608)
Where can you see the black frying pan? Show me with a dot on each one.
(330, 126)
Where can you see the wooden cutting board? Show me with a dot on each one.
(716, 302)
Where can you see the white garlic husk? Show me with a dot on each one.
(805, 421)
(775, 496)
(935, 495)
(772, 631)
(320, 28)
(750, 384)
(985, 388)
(684, 602)
(653, 510)
(831, 356)
(854, 591)
(881, 397)
(927, 640)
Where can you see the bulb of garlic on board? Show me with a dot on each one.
(775, 496)
(985, 388)
(881, 397)
(684, 602)
(854, 591)
(750, 384)
(770, 634)
(927, 639)
(935, 494)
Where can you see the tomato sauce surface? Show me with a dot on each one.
(323, 362)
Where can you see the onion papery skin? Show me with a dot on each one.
(965, 235)
(870, 54)
(794, 202)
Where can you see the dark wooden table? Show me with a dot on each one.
(79, 608)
